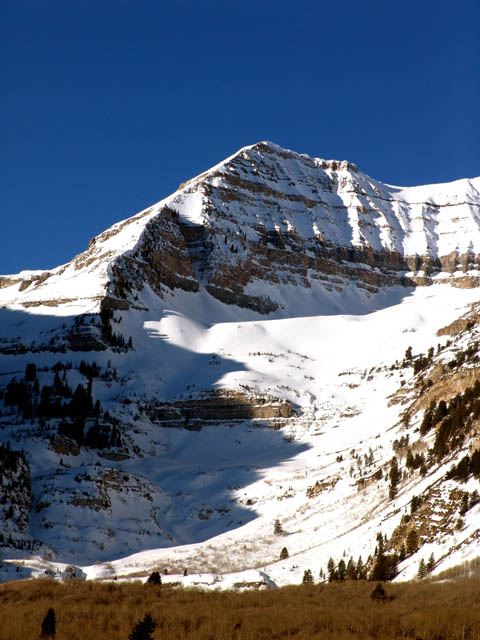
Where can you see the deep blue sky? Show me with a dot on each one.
(109, 105)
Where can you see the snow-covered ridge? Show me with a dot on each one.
(405, 219)
(267, 216)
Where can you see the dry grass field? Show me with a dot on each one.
(108, 611)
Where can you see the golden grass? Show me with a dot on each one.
(108, 611)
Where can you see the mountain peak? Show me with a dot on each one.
(267, 147)
(264, 218)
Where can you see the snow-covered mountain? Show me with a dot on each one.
(282, 339)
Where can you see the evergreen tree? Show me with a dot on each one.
(351, 570)
(475, 463)
(414, 503)
(284, 553)
(380, 549)
(331, 570)
(394, 475)
(430, 563)
(277, 528)
(463, 470)
(412, 542)
(97, 408)
(49, 625)
(30, 372)
(361, 569)
(464, 504)
(384, 566)
(57, 384)
(410, 462)
(341, 570)
(81, 403)
(378, 594)
(143, 630)
(474, 499)
(422, 571)
(380, 568)
(154, 578)
(307, 577)
(418, 461)
(368, 565)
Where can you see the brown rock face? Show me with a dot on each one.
(161, 260)
(172, 254)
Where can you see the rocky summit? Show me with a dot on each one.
(281, 354)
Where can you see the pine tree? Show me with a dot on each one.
(421, 569)
(361, 569)
(30, 372)
(380, 568)
(475, 463)
(380, 549)
(394, 475)
(307, 577)
(49, 625)
(464, 504)
(351, 570)
(154, 578)
(384, 566)
(415, 502)
(474, 499)
(410, 462)
(277, 528)
(430, 563)
(143, 630)
(331, 570)
(378, 594)
(412, 542)
(57, 384)
(284, 553)
(341, 570)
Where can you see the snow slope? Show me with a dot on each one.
(222, 488)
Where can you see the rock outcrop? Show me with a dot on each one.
(220, 408)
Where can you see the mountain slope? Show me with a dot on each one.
(238, 354)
